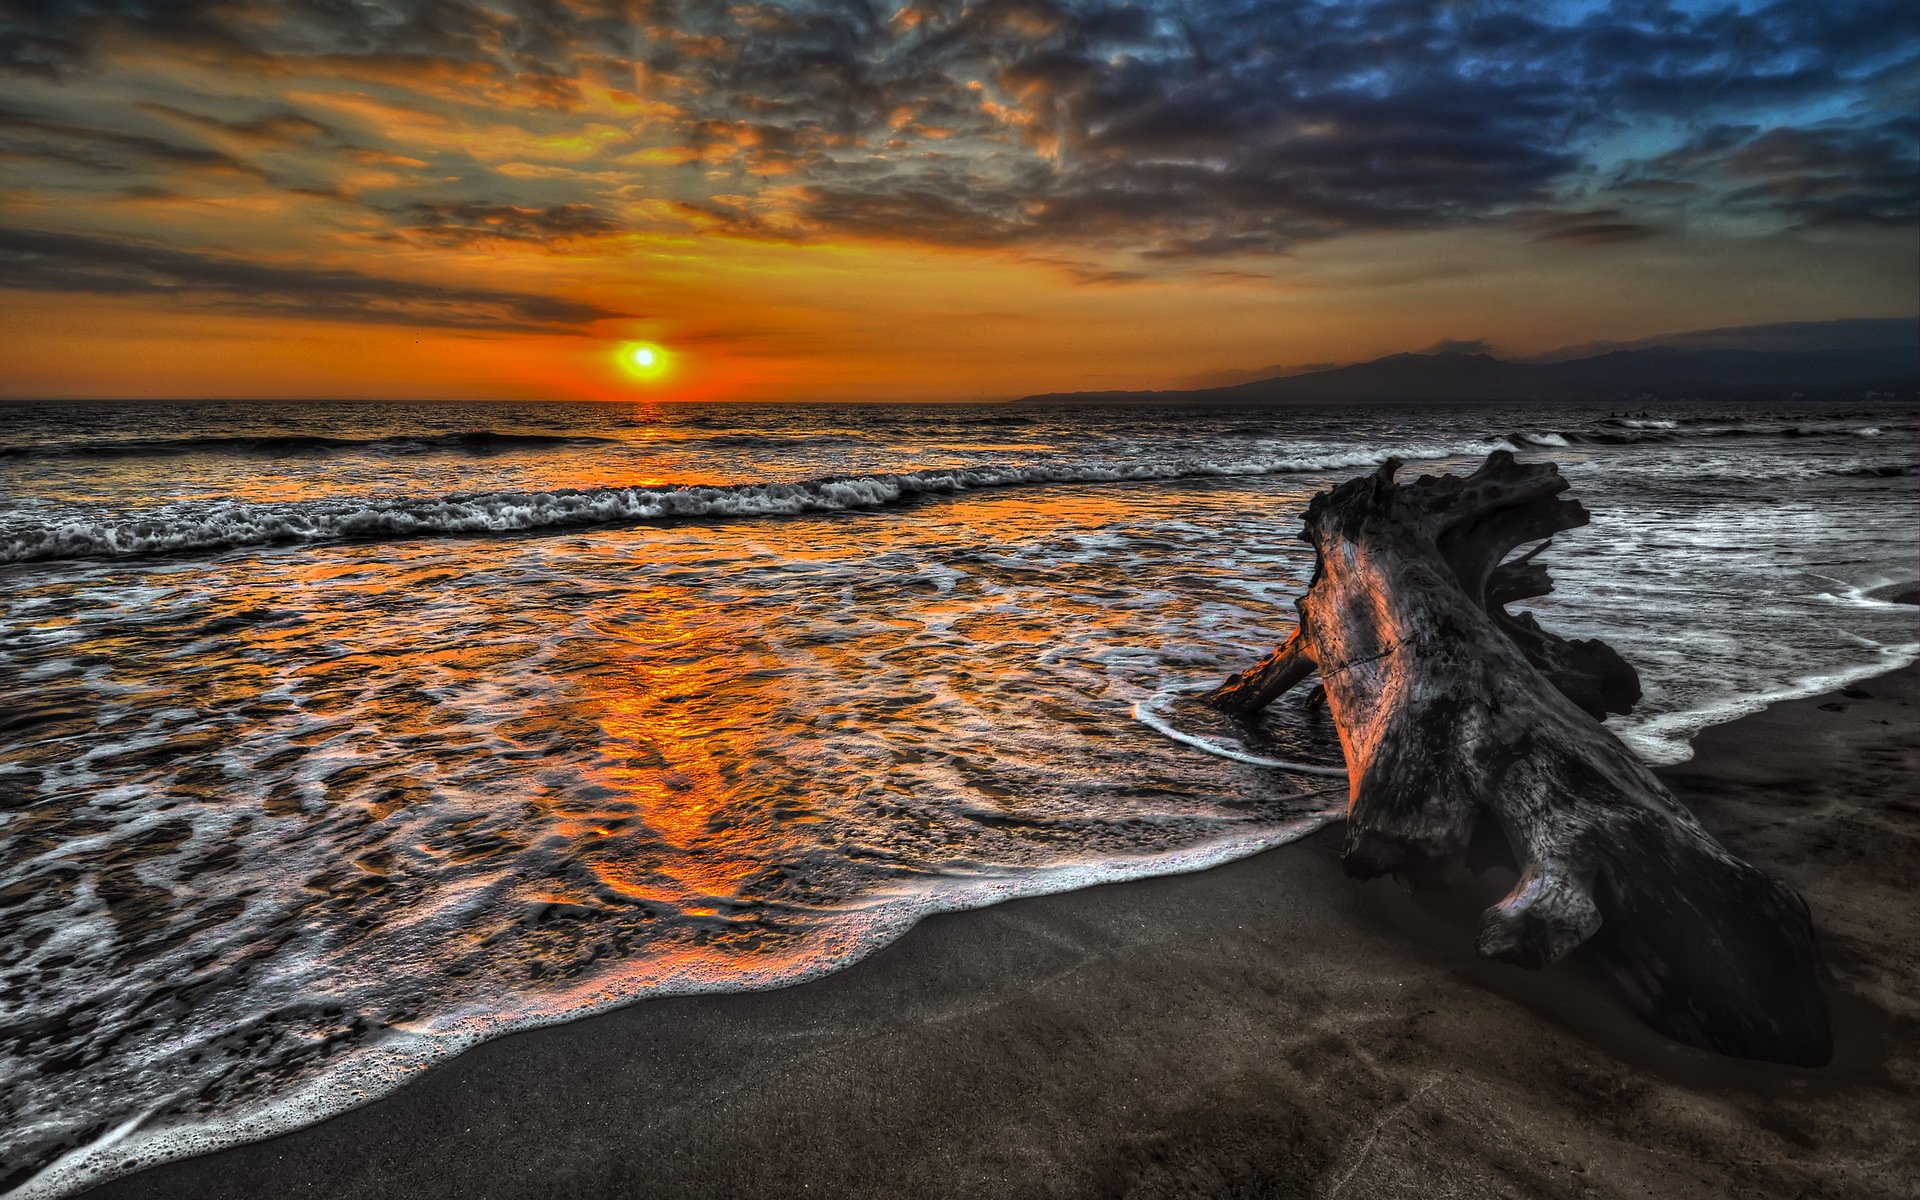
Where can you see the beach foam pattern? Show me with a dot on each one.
(203, 525)
(321, 766)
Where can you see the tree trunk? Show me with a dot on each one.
(1453, 712)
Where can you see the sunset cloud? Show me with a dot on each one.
(455, 222)
(1133, 142)
(103, 266)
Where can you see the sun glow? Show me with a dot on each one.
(643, 360)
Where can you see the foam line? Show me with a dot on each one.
(1145, 712)
(132, 1145)
(226, 525)
(1668, 739)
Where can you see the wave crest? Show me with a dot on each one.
(226, 525)
(1617, 431)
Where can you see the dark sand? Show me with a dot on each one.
(1266, 1028)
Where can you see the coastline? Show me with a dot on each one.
(1266, 1027)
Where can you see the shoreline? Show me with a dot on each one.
(1265, 1027)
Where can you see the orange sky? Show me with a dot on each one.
(285, 209)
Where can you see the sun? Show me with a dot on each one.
(643, 360)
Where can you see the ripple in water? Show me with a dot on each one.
(284, 825)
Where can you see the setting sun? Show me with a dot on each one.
(643, 360)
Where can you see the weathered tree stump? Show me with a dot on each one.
(1458, 718)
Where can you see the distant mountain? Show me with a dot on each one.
(1826, 359)
(1894, 335)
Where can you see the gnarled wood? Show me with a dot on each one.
(1264, 682)
(1453, 712)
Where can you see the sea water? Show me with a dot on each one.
(337, 738)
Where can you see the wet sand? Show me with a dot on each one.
(1267, 1028)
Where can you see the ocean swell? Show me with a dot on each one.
(473, 441)
(1632, 432)
(224, 525)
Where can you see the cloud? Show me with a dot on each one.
(1592, 226)
(284, 128)
(104, 149)
(1163, 129)
(55, 262)
(1809, 176)
(1245, 129)
(459, 223)
(1458, 346)
(1234, 376)
(1196, 131)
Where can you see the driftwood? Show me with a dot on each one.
(1465, 725)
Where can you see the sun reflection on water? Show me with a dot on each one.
(283, 815)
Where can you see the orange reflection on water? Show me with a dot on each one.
(682, 699)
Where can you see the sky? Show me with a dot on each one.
(941, 200)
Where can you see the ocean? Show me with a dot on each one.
(341, 737)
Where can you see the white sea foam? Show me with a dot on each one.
(1148, 712)
(203, 526)
(1870, 594)
(383, 1067)
(1667, 738)
(945, 691)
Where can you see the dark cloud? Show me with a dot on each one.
(533, 38)
(457, 223)
(1808, 176)
(1234, 376)
(1831, 176)
(98, 148)
(1189, 131)
(1593, 226)
(53, 36)
(1458, 346)
(284, 128)
(54, 262)
(1599, 233)
(1173, 129)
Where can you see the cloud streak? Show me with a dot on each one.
(459, 223)
(1814, 176)
(51, 262)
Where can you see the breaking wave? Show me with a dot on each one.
(226, 525)
(1629, 432)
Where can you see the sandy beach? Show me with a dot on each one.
(1266, 1028)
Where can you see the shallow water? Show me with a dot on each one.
(340, 737)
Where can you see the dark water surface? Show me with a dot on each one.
(338, 737)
